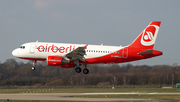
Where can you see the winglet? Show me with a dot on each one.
(86, 46)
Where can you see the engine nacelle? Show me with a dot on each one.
(57, 61)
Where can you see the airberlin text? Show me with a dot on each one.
(55, 49)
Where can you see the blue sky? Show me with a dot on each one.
(111, 22)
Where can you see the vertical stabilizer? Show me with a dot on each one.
(147, 38)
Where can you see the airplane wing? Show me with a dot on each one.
(77, 54)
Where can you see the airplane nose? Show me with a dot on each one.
(15, 52)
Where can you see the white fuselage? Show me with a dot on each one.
(41, 50)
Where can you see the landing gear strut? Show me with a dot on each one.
(34, 63)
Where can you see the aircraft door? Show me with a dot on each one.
(32, 48)
(125, 53)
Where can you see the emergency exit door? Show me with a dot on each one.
(125, 53)
(32, 48)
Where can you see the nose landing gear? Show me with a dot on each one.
(34, 63)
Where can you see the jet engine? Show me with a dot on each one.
(57, 60)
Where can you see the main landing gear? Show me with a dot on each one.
(34, 63)
(85, 70)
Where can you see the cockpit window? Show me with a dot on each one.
(22, 47)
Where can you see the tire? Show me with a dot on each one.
(78, 70)
(33, 68)
(85, 71)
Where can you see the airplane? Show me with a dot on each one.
(68, 55)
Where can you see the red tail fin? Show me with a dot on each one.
(147, 38)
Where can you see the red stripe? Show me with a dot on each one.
(37, 59)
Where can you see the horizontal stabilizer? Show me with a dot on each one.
(151, 52)
(146, 52)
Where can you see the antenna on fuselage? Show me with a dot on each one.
(37, 41)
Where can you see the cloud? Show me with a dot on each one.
(41, 4)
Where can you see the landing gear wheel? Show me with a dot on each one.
(85, 71)
(78, 70)
(33, 68)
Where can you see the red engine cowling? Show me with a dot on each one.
(57, 61)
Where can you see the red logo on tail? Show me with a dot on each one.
(149, 35)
